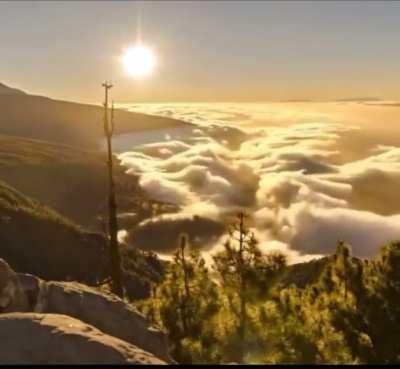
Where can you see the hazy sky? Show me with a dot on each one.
(207, 51)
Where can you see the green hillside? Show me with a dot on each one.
(35, 239)
(71, 180)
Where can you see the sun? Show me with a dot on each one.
(139, 61)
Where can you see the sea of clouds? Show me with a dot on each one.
(292, 167)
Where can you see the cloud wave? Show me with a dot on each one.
(300, 199)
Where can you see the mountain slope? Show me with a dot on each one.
(73, 181)
(35, 239)
(5, 90)
(65, 122)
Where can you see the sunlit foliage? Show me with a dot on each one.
(251, 307)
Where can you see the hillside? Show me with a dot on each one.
(75, 124)
(35, 239)
(5, 90)
(71, 180)
(49, 150)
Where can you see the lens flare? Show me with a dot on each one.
(139, 61)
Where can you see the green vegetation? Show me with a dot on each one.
(176, 304)
(38, 240)
(70, 180)
(12, 200)
(251, 307)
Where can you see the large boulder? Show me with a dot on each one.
(12, 296)
(105, 311)
(29, 338)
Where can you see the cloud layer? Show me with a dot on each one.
(282, 168)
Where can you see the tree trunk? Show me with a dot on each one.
(242, 294)
(115, 258)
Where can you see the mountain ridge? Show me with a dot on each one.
(72, 123)
(6, 90)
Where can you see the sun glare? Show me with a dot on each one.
(139, 61)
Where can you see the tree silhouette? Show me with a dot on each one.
(115, 257)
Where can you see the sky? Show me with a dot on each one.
(206, 50)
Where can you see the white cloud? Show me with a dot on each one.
(282, 174)
(318, 230)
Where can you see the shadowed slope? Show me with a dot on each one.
(73, 181)
(66, 122)
(35, 239)
(5, 90)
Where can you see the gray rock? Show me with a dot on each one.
(31, 286)
(107, 312)
(29, 338)
(12, 296)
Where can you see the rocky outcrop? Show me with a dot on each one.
(29, 338)
(108, 313)
(105, 311)
(12, 296)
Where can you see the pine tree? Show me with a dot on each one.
(184, 304)
(382, 310)
(235, 266)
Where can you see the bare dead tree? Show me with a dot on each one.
(115, 257)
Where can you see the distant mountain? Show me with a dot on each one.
(75, 124)
(5, 90)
